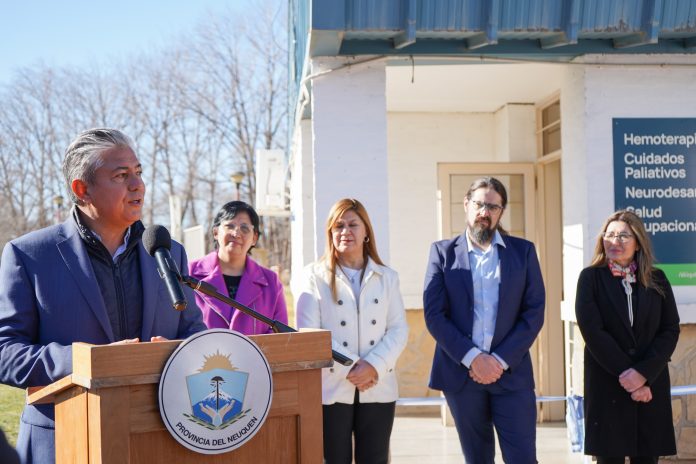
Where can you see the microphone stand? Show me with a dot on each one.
(276, 326)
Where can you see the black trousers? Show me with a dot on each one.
(370, 423)
(632, 460)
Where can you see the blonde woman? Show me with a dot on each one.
(354, 295)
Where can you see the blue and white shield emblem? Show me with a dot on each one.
(217, 393)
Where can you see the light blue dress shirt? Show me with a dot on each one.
(121, 248)
(485, 272)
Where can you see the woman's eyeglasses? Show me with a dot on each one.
(244, 229)
(622, 237)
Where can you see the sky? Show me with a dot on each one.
(79, 32)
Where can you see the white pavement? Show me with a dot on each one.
(423, 440)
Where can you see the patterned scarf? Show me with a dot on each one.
(628, 272)
(629, 276)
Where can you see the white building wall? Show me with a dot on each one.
(521, 133)
(302, 201)
(501, 138)
(350, 143)
(574, 183)
(417, 143)
(592, 95)
(515, 128)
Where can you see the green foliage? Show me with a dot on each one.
(11, 404)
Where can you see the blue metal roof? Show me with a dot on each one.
(527, 29)
(485, 23)
(350, 27)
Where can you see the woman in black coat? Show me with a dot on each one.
(626, 312)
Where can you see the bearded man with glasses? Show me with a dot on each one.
(484, 305)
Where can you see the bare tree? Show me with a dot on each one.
(29, 158)
(240, 88)
(197, 110)
(244, 89)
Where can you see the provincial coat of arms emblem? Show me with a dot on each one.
(215, 391)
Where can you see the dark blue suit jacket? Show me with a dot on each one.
(50, 298)
(448, 302)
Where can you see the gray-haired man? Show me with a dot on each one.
(86, 280)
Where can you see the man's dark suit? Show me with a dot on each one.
(50, 298)
(449, 315)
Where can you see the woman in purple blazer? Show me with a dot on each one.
(232, 272)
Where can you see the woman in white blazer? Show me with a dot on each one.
(354, 295)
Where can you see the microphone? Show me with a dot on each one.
(158, 242)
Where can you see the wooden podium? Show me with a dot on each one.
(107, 411)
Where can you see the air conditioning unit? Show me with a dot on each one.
(271, 170)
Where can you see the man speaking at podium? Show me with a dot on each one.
(88, 279)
